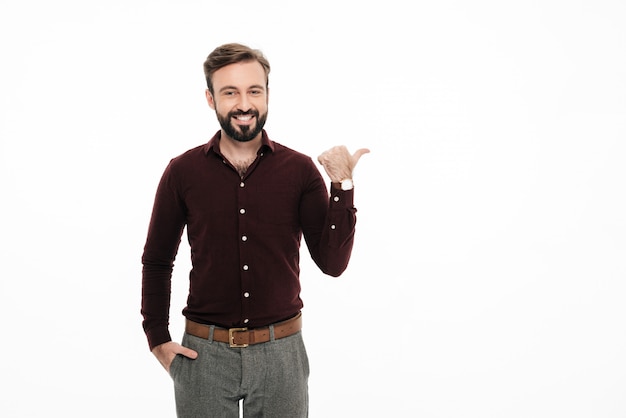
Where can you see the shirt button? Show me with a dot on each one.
(336, 198)
(242, 184)
(242, 211)
(333, 227)
(246, 295)
(245, 267)
(245, 321)
(244, 238)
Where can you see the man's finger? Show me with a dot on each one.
(359, 153)
(188, 352)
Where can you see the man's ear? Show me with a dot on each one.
(209, 99)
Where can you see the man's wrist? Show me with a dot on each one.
(345, 184)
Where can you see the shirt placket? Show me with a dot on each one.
(244, 252)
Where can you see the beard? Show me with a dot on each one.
(242, 133)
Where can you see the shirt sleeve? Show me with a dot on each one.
(164, 235)
(328, 225)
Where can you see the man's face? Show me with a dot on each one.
(240, 99)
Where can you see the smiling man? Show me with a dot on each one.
(246, 201)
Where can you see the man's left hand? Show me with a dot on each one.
(339, 163)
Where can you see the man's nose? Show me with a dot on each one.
(244, 103)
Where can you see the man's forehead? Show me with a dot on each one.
(242, 75)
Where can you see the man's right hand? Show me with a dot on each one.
(166, 352)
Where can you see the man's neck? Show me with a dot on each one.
(240, 154)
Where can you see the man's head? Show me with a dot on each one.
(237, 89)
(230, 54)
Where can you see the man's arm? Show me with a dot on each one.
(328, 224)
(164, 235)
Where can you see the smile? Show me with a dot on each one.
(244, 118)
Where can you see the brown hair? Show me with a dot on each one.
(230, 54)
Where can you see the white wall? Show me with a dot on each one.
(488, 276)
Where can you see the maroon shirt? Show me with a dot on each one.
(244, 236)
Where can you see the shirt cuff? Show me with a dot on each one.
(342, 199)
(158, 336)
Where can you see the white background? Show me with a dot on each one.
(488, 274)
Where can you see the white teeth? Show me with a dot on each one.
(244, 118)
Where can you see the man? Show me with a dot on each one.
(246, 202)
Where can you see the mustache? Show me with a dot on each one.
(250, 112)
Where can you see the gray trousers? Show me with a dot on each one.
(271, 378)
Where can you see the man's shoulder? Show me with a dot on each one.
(188, 162)
(190, 155)
(284, 151)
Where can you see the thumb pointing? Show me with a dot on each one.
(358, 154)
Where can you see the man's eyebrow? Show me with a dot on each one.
(228, 88)
(254, 86)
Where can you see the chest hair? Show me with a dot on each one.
(242, 166)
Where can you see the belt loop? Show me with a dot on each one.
(211, 330)
(272, 338)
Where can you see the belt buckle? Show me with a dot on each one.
(231, 337)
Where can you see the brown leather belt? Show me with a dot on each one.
(242, 337)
